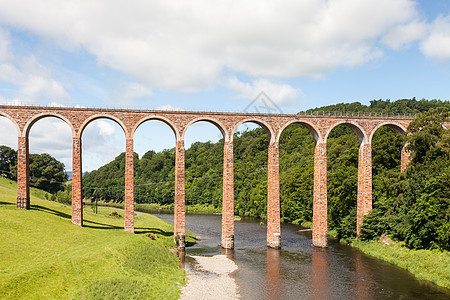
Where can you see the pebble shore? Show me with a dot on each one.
(209, 278)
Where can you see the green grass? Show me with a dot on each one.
(430, 265)
(44, 256)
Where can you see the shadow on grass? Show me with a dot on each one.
(99, 225)
(6, 203)
(145, 230)
(68, 216)
(50, 211)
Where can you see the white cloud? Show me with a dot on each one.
(102, 141)
(34, 81)
(437, 44)
(169, 107)
(187, 46)
(132, 92)
(279, 93)
(8, 134)
(404, 34)
(52, 135)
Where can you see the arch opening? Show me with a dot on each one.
(251, 147)
(154, 163)
(8, 155)
(297, 143)
(343, 146)
(103, 161)
(50, 158)
(389, 158)
(204, 144)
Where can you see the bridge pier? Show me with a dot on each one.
(364, 200)
(320, 222)
(23, 173)
(405, 158)
(77, 183)
(129, 186)
(228, 197)
(273, 197)
(179, 207)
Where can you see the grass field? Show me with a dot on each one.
(44, 256)
(430, 265)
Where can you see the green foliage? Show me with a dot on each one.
(8, 159)
(415, 207)
(46, 172)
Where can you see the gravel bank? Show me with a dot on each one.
(209, 278)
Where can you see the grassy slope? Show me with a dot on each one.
(43, 255)
(424, 264)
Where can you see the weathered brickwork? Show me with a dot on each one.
(320, 126)
(228, 197)
(364, 198)
(129, 186)
(320, 222)
(273, 197)
(405, 158)
(77, 186)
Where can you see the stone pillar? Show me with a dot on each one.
(364, 201)
(179, 207)
(77, 183)
(405, 158)
(228, 197)
(273, 198)
(23, 174)
(129, 186)
(320, 222)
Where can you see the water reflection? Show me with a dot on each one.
(300, 271)
(363, 280)
(319, 273)
(273, 282)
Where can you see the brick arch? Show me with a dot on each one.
(315, 133)
(102, 116)
(12, 120)
(396, 126)
(35, 118)
(263, 124)
(158, 118)
(357, 129)
(213, 121)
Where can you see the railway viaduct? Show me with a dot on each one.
(320, 125)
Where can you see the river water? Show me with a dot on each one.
(301, 271)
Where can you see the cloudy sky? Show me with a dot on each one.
(211, 55)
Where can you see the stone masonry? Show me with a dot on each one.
(24, 117)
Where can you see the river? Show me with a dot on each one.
(301, 271)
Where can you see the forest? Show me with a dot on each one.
(411, 206)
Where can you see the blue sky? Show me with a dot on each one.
(215, 56)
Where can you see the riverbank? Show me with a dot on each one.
(209, 278)
(431, 265)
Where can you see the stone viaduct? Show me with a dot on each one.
(23, 117)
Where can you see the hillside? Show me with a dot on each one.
(43, 255)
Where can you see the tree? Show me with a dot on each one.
(8, 160)
(47, 173)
